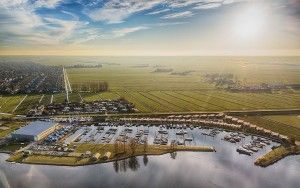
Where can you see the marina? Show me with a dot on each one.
(153, 134)
(184, 168)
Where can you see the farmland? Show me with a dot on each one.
(129, 76)
(154, 91)
(9, 127)
(289, 120)
(179, 101)
(167, 101)
(184, 89)
(280, 127)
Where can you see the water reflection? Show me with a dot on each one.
(190, 169)
(225, 168)
(145, 160)
(131, 163)
(173, 155)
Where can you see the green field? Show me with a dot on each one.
(135, 79)
(163, 92)
(9, 127)
(28, 103)
(292, 120)
(188, 101)
(131, 77)
(8, 103)
(276, 126)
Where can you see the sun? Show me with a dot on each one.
(249, 23)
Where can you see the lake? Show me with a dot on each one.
(225, 168)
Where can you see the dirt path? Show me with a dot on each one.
(19, 104)
(41, 99)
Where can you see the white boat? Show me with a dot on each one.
(243, 151)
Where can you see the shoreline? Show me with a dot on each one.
(276, 155)
(87, 160)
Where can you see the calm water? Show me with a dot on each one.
(225, 168)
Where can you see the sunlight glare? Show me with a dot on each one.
(249, 24)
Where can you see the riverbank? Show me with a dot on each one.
(276, 155)
(80, 158)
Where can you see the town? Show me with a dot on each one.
(95, 107)
(26, 78)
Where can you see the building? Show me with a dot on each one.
(35, 131)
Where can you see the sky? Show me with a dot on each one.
(149, 27)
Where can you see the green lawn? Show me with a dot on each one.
(30, 102)
(292, 120)
(11, 126)
(166, 92)
(276, 126)
(185, 101)
(8, 103)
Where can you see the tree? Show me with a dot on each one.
(133, 163)
(293, 140)
(173, 155)
(173, 145)
(145, 145)
(124, 144)
(116, 147)
(116, 166)
(133, 145)
(145, 160)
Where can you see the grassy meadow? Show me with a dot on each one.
(152, 91)
(282, 124)
(183, 88)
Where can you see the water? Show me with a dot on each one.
(225, 168)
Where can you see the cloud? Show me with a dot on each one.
(85, 34)
(167, 24)
(208, 6)
(115, 11)
(126, 31)
(19, 22)
(185, 3)
(159, 11)
(47, 3)
(184, 14)
(182, 3)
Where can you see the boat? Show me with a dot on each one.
(180, 132)
(163, 131)
(254, 149)
(250, 147)
(237, 139)
(180, 142)
(243, 151)
(266, 142)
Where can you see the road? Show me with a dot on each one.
(68, 87)
(233, 113)
(19, 104)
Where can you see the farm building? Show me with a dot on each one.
(35, 131)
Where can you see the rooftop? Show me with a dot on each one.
(35, 128)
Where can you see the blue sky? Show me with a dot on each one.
(149, 27)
